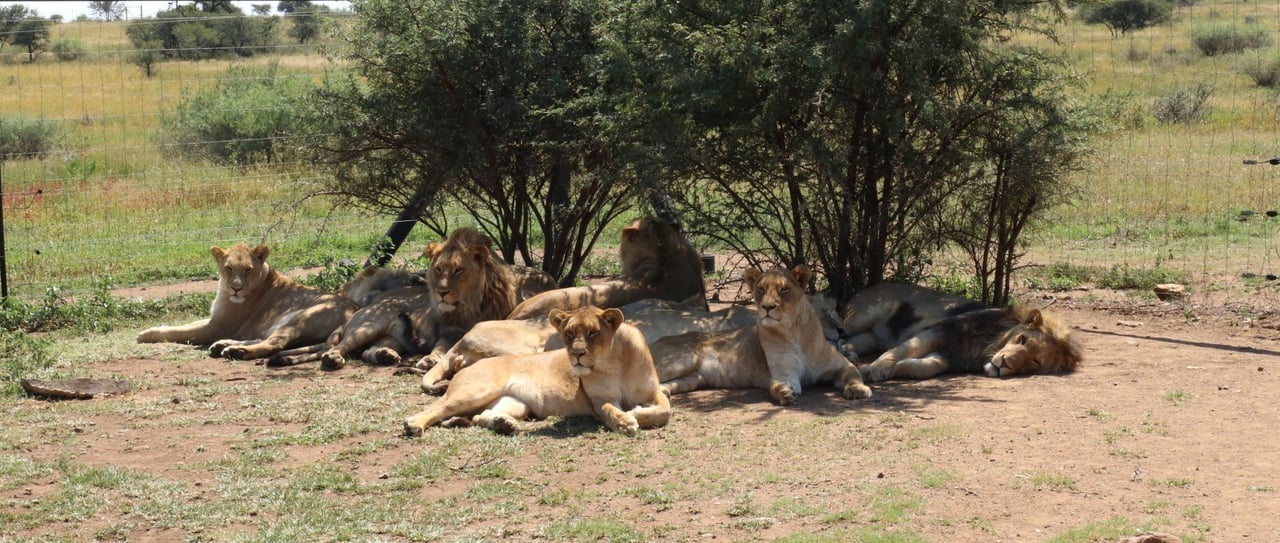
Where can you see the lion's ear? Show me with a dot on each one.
(1034, 318)
(479, 252)
(433, 250)
(631, 232)
(557, 318)
(261, 252)
(612, 317)
(802, 275)
(218, 253)
(750, 276)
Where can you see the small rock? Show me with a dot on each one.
(1153, 537)
(1170, 291)
(1131, 324)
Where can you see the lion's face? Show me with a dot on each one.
(587, 332)
(1033, 347)
(240, 268)
(457, 272)
(777, 293)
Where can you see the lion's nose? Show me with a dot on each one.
(768, 307)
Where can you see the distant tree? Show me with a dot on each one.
(10, 17)
(108, 10)
(262, 10)
(204, 30)
(1121, 16)
(307, 23)
(32, 33)
(56, 18)
(147, 56)
(291, 6)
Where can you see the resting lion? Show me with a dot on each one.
(654, 318)
(783, 352)
(882, 315)
(1000, 342)
(257, 311)
(605, 371)
(657, 262)
(466, 283)
(371, 282)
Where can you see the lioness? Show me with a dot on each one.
(783, 352)
(257, 311)
(380, 331)
(371, 282)
(1000, 342)
(657, 262)
(605, 370)
(654, 318)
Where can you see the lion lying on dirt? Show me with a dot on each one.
(657, 262)
(371, 282)
(885, 314)
(605, 370)
(257, 311)
(999, 342)
(783, 352)
(466, 283)
(654, 318)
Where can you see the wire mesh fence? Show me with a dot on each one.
(113, 197)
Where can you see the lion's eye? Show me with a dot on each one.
(568, 335)
(457, 272)
(1020, 340)
(785, 290)
(592, 334)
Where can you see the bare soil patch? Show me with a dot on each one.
(1170, 425)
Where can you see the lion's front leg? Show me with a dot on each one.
(849, 381)
(618, 420)
(195, 333)
(655, 414)
(886, 367)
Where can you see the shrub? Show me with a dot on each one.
(22, 137)
(68, 49)
(241, 120)
(1123, 277)
(1225, 39)
(1183, 105)
(1121, 16)
(1263, 67)
(21, 355)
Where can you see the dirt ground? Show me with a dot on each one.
(1170, 422)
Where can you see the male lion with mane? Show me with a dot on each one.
(605, 370)
(257, 311)
(783, 352)
(466, 283)
(1000, 342)
(657, 262)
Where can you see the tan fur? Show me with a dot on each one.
(469, 284)
(657, 262)
(654, 319)
(783, 352)
(370, 283)
(379, 331)
(866, 327)
(605, 371)
(999, 342)
(257, 311)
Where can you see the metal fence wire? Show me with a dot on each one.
(111, 196)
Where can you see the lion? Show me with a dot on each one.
(466, 283)
(1000, 342)
(257, 311)
(783, 352)
(883, 315)
(371, 282)
(654, 318)
(382, 332)
(605, 370)
(657, 262)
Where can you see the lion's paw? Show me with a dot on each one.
(856, 390)
(437, 388)
(429, 361)
(412, 427)
(332, 360)
(877, 371)
(622, 421)
(233, 352)
(217, 348)
(382, 356)
(782, 393)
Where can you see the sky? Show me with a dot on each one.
(73, 9)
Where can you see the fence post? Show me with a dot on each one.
(4, 266)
